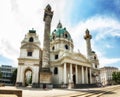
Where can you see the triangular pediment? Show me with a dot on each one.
(29, 46)
(76, 56)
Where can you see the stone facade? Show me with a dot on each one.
(57, 65)
(29, 59)
(106, 75)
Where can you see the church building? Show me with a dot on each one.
(56, 65)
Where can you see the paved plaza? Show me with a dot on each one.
(111, 91)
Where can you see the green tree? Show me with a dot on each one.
(0, 75)
(116, 77)
(14, 75)
(30, 80)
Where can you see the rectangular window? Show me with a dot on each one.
(29, 54)
(56, 56)
(95, 66)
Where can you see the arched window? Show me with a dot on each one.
(66, 36)
(55, 70)
(66, 47)
(31, 39)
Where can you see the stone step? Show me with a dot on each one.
(8, 95)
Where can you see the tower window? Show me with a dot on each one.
(53, 37)
(31, 39)
(95, 66)
(29, 54)
(66, 47)
(95, 57)
(55, 70)
(56, 56)
(53, 48)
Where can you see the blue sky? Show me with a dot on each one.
(109, 36)
(101, 17)
(84, 9)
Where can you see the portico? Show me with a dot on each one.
(77, 74)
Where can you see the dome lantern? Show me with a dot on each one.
(59, 25)
(60, 32)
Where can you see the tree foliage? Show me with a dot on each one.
(0, 75)
(14, 75)
(116, 77)
(30, 80)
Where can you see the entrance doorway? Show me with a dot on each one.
(28, 77)
(74, 79)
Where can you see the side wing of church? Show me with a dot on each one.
(57, 65)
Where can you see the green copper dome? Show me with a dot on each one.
(60, 32)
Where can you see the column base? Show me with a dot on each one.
(45, 78)
(70, 85)
(19, 84)
(35, 85)
(46, 86)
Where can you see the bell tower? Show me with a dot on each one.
(88, 37)
(45, 73)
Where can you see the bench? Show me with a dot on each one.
(11, 92)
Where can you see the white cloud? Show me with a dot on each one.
(100, 26)
(109, 46)
(19, 16)
(109, 61)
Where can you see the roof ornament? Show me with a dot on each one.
(87, 34)
(32, 31)
(59, 25)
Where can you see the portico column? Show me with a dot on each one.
(76, 73)
(71, 78)
(65, 73)
(18, 74)
(90, 76)
(21, 73)
(22, 78)
(86, 75)
(82, 72)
